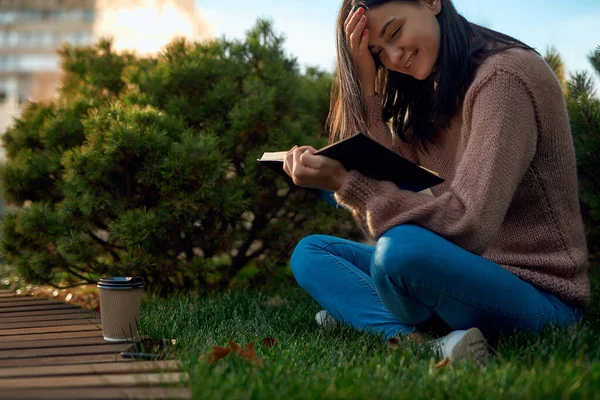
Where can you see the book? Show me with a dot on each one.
(370, 158)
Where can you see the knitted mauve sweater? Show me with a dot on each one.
(510, 193)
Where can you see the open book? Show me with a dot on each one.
(371, 159)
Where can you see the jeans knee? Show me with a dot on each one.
(303, 265)
(400, 253)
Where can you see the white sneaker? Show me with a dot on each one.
(462, 346)
(325, 319)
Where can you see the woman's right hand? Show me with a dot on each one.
(357, 38)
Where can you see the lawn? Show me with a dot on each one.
(308, 362)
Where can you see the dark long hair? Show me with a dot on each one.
(417, 108)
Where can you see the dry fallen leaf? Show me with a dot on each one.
(249, 354)
(269, 342)
(219, 352)
(394, 343)
(236, 348)
(443, 363)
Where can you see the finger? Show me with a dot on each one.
(299, 151)
(292, 149)
(305, 176)
(348, 19)
(285, 167)
(302, 149)
(296, 156)
(299, 154)
(301, 174)
(353, 22)
(288, 163)
(357, 34)
(312, 161)
(298, 169)
(364, 43)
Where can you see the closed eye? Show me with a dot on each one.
(396, 31)
(376, 54)
(391, 37)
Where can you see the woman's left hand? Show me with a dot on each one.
(314, 171)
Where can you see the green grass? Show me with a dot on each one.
(312, 363)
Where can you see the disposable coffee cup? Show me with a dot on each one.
(120, 301)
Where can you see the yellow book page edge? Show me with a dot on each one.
(273, 156)
(428, 170)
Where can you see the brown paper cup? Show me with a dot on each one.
(120, 310)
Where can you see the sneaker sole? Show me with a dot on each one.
(325, 320)
(472, 347)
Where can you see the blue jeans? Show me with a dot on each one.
(412, 275)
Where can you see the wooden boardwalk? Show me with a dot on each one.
(53, 350)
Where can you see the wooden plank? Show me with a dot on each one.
(42, 336)
(41, 358)
(21, 303)
(107, 348)
(39, 324)
(149, 379)
(91, 369)
(18, 298)
(38, 344)
(101, 393)
(49, 329)
(63, 360)
(44, 313)
(39, 307)
(26, 300)
(40, 318)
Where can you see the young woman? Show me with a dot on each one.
(500, 245)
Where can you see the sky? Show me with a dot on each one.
(573, 26)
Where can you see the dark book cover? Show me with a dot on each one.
(360, 152)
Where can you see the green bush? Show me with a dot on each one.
(147, 165)
(584, 112)
(583, 106)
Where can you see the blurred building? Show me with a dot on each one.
(147, 25)
(31, 31)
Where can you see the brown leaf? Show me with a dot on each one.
(394, 343)
(250, 355)
(236, 348)
(443, 363)
(269, 342)
(217, 353)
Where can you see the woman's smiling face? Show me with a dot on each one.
(405, 36)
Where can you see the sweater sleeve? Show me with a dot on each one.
(380, 131)
(500, 129)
